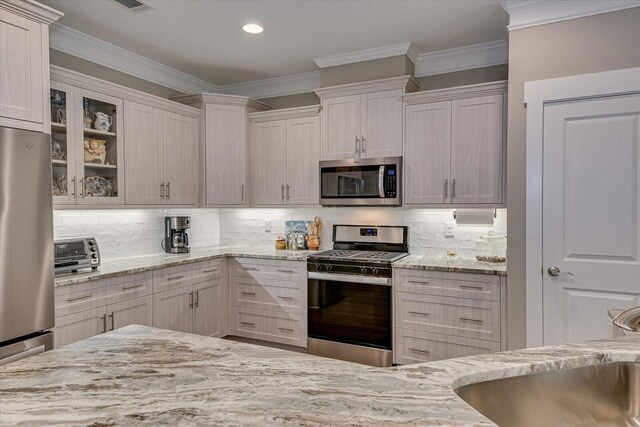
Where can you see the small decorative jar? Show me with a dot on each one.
(313, 242)
(281, 243)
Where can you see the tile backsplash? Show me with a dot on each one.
(135, 232)
(426, 226)
(123, 233)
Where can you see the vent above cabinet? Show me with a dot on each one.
(134, 5)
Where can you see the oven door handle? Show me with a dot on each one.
(351, 278)
(381, 182)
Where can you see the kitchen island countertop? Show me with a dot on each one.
(139, 375)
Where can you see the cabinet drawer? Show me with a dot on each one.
(274, 326)
(128, 287)
(451, 316)
(189, 274)
(457, 285)
(269, 272)
(247, 294)
(415, 346)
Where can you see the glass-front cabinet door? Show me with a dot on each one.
(99, 148)
(64, 183)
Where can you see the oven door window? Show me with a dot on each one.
(350, 182)
(351, 313)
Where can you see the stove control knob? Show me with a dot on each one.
(329, 267)
(318, 267)
(363, 270)
(375, 271)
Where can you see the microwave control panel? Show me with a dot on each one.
(390, 180)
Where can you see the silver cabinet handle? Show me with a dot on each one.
(162, 190)
(253, 294)
(197, 298)
(419, 313)
(103, 318)
(242, 192)
(417, 350)
(247, 323)
(213, 270)
(286, 329)
(112, 316)
(286, 271)
(363, 145)
(170, 279)
(191, 299)
(79, 298)
(128, 288)
(446, 188)
(453, 189)
(466, 319)
(82, 187)
(418, 282)
(282, 191)
(555, 272)
(73, 181)
(473, 288)
(168, 190)
(251, 269)
(287, 191)
(286, 298)
(356, 144)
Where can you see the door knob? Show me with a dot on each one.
(555, 272)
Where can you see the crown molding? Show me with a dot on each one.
(406, 83)
(462, 58)
(458, 92)
(199, 99)
(285, 113)
(32, 10)
(530, 13)
(278, 86)
(84, 46)
(408, 49)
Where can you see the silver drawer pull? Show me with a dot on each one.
(213, 270)
(474, 288)
(417, 282)
(253, 294)
(466, 319)
(247, 323)
(250, 268)
(419, 313)
(286, 271)
(174, 278)
(79, 298)
(286, 298)
(128, 288)
(417, 350)
(286, 329)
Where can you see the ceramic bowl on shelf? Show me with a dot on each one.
(97, 186)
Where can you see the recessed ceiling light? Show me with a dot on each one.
(252, 28)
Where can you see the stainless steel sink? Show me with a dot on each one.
(598, 395)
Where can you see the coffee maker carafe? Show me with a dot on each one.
(176, 239)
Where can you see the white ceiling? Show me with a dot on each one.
(203, 38)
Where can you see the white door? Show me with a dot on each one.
(143, 151)
(180, 136)
(426, 163)
(382, 124)
(476, 150)
(303, 161)
(340, 127)
(268, 154)
(137, 311)
(591, 215)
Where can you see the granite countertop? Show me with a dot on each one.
(145, 376)
(457, 265)
(118, 267)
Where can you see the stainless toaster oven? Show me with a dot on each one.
(72, 255)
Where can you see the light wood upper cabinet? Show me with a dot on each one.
(180, 144)
(24, 65)
(477, 150)
(144, 154)
(285, 154)
(363, 120)
(454, 146)
(427, 153)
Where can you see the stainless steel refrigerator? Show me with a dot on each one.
(26, 244)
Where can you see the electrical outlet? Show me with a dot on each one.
(267, 226)
(448, 229)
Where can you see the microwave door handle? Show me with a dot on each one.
(381, 182)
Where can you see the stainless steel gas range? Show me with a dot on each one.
(350, 294)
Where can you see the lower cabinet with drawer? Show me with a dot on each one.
(441, 315)
(268, 300)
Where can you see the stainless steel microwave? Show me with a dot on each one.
(361, 182)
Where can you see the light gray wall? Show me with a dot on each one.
(290, 101)
(375, 69)
(466, 77)
(580, 46)
(83, 66)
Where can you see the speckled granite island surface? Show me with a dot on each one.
(456, 265)
(144, 376)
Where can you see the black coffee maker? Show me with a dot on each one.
(176, 239)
